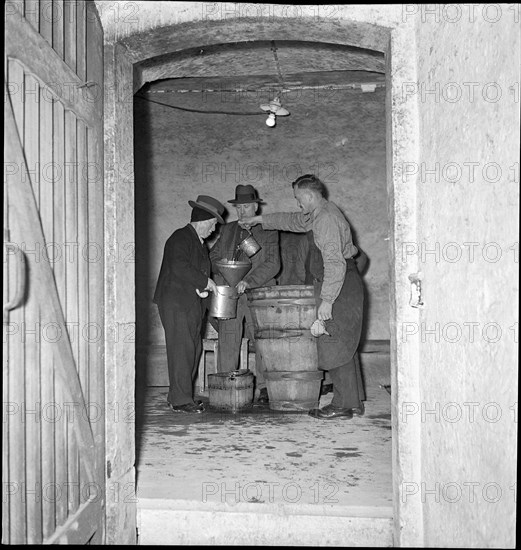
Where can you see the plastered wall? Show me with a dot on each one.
(337, 134)
(468, 192)
(472, 452)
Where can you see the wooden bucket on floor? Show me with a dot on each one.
(293, 391)
(231, 391)
(282, 316)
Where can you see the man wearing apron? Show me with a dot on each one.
(338, 291)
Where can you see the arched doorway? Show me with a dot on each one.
(133, 50)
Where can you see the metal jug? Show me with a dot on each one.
(249, 245)
(224, 303)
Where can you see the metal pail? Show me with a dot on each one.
(224, 303)
(249, 246)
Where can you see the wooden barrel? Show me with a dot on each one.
(289, 307)
(293, 391)
(288, 350)
(231, 391)
(282, 317)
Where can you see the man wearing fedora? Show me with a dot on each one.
(183, 279)
(265, 265)
(338, 288)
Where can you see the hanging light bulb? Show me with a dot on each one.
(271, 121)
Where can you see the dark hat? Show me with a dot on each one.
(210, 205)
(245, 194)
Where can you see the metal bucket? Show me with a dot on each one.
(224, 303)
(250, 246)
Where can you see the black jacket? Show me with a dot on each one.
(185, 267)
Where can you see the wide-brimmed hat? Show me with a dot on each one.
(210, 205)
(245, 194)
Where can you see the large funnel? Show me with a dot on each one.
(233, 271)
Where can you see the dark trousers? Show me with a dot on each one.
(183, 350)
(230, 339)
(348, 388)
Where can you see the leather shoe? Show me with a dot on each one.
(186, 408)
(263, 396)
(330, 411)
(359, 411)
(326, 388)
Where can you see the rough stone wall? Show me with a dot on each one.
(468, 192)
(337, 134)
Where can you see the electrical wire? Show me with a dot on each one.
(198, 110)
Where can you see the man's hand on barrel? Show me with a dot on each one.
(242, 286)
(249, 221)
(325, 310)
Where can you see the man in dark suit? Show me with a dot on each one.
(265, 265)
(183, 281)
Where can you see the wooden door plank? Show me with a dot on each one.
(57, 27)
(32, 13)
(46, 20)
(71, 256)
(57, 250)
(17, 357)
(46, 348)
(24, 207)
(48, 210)
(95, 71)
(81, 26)
(71, 285)
(6, 524)
(32, 131)
(32, 51)
(83, 255)
(34, 332)
(69, 33)
(62, 487)
(47, 435)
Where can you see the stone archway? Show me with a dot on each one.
(123, 54)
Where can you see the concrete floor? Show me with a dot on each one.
(265, 462)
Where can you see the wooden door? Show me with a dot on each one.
(53, 366)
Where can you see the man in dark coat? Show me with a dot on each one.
(338, 291)
(183, 281)
(265, 265)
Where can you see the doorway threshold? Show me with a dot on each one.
(263, 477)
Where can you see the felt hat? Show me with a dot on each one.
(209, 205)
(245, 194)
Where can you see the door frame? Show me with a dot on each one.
(403, 142)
